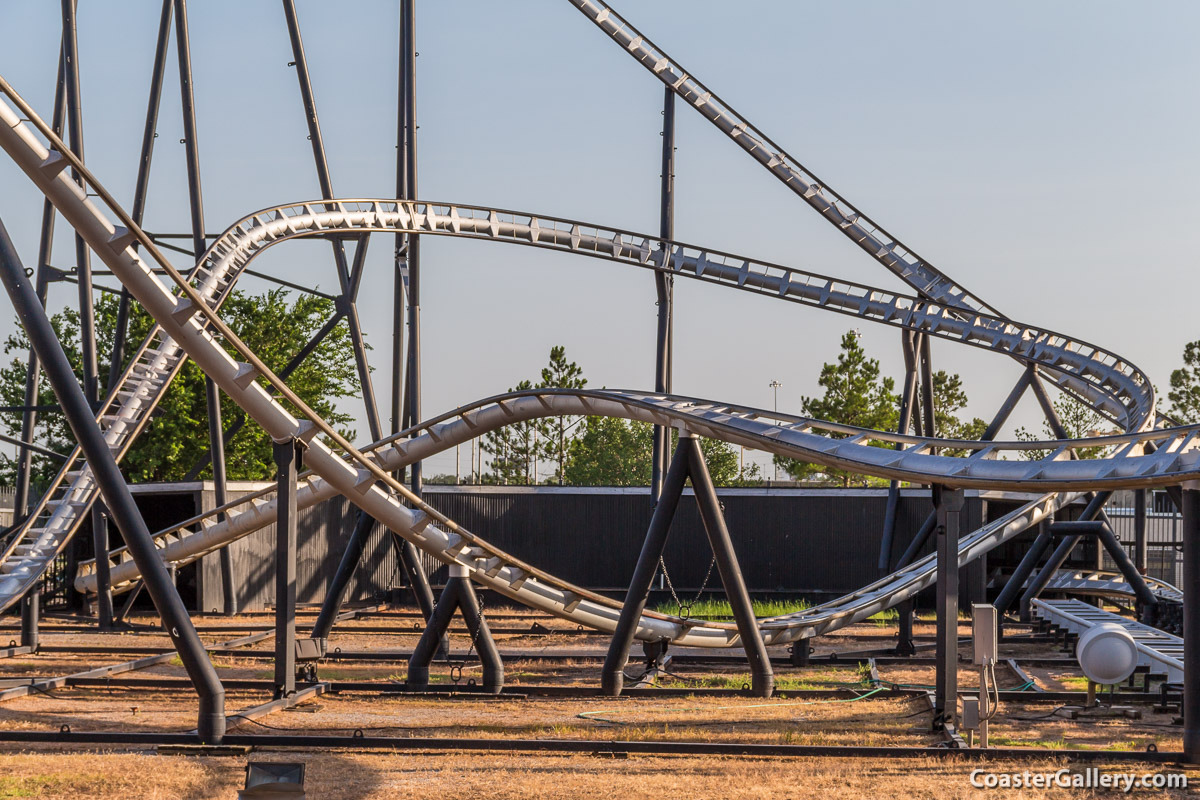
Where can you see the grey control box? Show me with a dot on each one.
(984, 633)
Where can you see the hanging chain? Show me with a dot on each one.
(685, 608)
(456, 670)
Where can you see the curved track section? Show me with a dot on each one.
(187, 317)
(897, 257)
(27, 551)
(191, 319)
(1106, 380)
(1104, 583)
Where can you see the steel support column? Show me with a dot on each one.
(612, 676)
(141, 186)
(33, 367)
(346, 277)
(408, 55)
(116, 494)
(664, 286)
(949, 511)
(1015, 584)
(1146, 598)
(30, 613)
(908, 398)
(83, 264)
(458, 594)
(104, 603)
(1191, 621)
(761, 677)
(286, 455)
(336, 594)
(216, 447)
(1139, 530)
(216, 441)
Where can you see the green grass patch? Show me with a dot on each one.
(713, 608)
(885, 618)
(45, 785)
(176, 661)
(1080, 683)
(1010, 741)
(814, 678)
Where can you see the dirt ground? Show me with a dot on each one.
(340, 774)
(861, 718)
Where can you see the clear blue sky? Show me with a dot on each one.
(1042, 154)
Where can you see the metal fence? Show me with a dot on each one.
(1163, 545)
(7, 497)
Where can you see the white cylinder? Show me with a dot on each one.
(1107, 653)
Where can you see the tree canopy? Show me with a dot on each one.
(589, 451)
(174, 443)
(855, 394)
(1078, 420)
(1185, 386)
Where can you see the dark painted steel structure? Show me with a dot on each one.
(1131, 405)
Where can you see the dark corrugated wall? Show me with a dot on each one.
(814, 542)
(321, 535)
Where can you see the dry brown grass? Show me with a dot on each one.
(59, 772)
(339, 774)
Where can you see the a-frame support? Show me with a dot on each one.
(688, 462)
(459, 594)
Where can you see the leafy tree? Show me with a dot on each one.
(272, 325)
(556, 431)
(855, 394)
(948, 399)
(515, 449)
(616, 452)
(1185, 386)
(724, 463)
(610, 452)
(1079, 421)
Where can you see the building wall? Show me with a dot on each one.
(813, 542)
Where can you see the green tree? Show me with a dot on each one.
(948, 399)
(272, 325)
(556, 431)
(515, 449)
(855, 394)
(1185, 386)
(610, 451)
(1079, 420)
(615, 452)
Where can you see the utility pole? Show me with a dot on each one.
(774, 385)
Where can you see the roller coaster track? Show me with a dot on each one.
(1104, 583)
(189, 324)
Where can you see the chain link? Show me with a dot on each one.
(456, 670)
(685, 609)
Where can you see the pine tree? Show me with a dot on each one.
(556, 431)
(855, 394)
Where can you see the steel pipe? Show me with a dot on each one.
(117, 496)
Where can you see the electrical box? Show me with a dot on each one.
(970, 714)
(984, 633)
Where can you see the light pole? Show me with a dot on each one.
(774, 385)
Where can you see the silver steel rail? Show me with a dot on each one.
(1103, 583)
(774, 432)
(191, 319)
(1162, 652)
(1107, 381)
(870, 236)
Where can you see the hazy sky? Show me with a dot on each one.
(1044, 155)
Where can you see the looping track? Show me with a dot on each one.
(189, 326)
